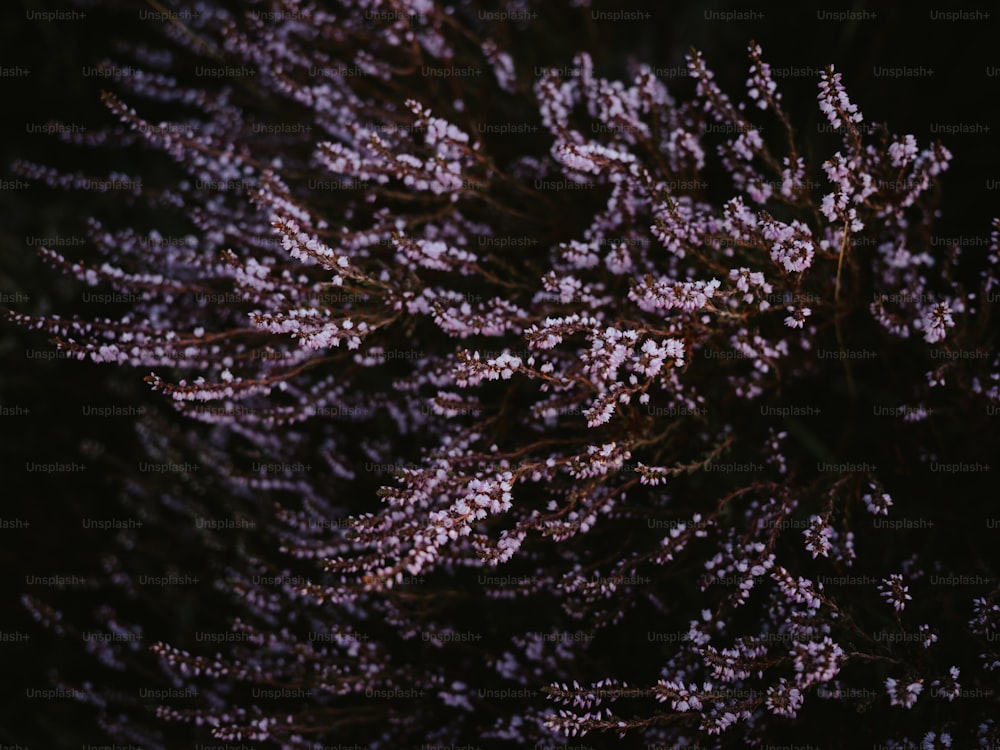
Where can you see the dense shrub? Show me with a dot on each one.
(522, 404)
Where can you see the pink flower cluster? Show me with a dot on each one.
(589, 418)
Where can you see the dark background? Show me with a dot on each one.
(53, 391)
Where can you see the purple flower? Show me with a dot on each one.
(894, 592)
(903, 695)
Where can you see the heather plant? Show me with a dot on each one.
(510, 431)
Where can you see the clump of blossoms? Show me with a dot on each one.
(504, 409)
